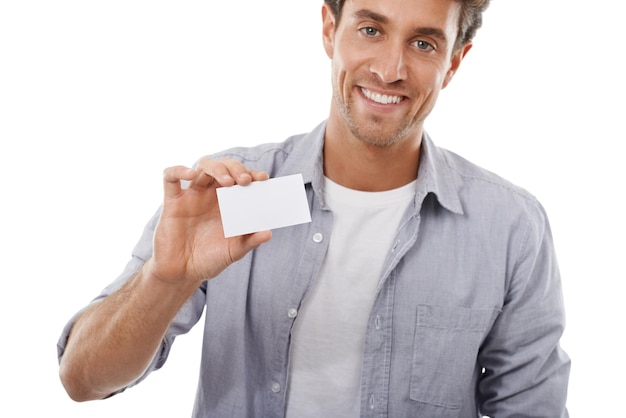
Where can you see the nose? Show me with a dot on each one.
(389, 64)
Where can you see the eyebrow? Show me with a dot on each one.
(434, 32)
(377, 17)
(368, 14)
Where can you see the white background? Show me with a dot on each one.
(96, 98)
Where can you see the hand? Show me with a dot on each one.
(189, 243)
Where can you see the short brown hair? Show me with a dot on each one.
(470, 20)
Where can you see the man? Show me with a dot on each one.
(423, 287)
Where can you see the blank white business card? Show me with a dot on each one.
(262, 205)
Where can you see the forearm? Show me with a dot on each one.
(113, 342)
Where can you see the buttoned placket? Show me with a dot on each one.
(377, 348)
(312, 256)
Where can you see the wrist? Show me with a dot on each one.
(174, 291)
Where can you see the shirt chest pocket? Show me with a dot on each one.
(445, 349)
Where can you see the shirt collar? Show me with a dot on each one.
(306, 157)
(434, 174)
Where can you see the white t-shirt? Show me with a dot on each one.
(328, 333)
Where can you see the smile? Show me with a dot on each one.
(381, 98)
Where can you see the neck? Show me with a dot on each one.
(357, 165)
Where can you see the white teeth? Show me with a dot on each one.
(381, 98)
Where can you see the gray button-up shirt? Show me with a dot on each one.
(466, 320)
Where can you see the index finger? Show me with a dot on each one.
(172, 177)
(228, 172)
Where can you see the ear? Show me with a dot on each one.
(455, 62)
(328, 29)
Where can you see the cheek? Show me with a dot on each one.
(347, 60)
(340, 75)
(430, 77)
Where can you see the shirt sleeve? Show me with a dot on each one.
(525, 371)
(189, 314)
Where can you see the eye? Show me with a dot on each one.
(369, 31)
(424, 46)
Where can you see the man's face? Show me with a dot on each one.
(390, 59)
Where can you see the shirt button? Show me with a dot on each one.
(318, 237)
(292, 313)
(372, 402)
(275, 387)
(377, 322)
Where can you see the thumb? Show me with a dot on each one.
(244, 244)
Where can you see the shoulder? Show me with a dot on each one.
(481, 190)
(476, 177)
(273, 157)
(299, 153)
(272, 151)
(479, 176)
